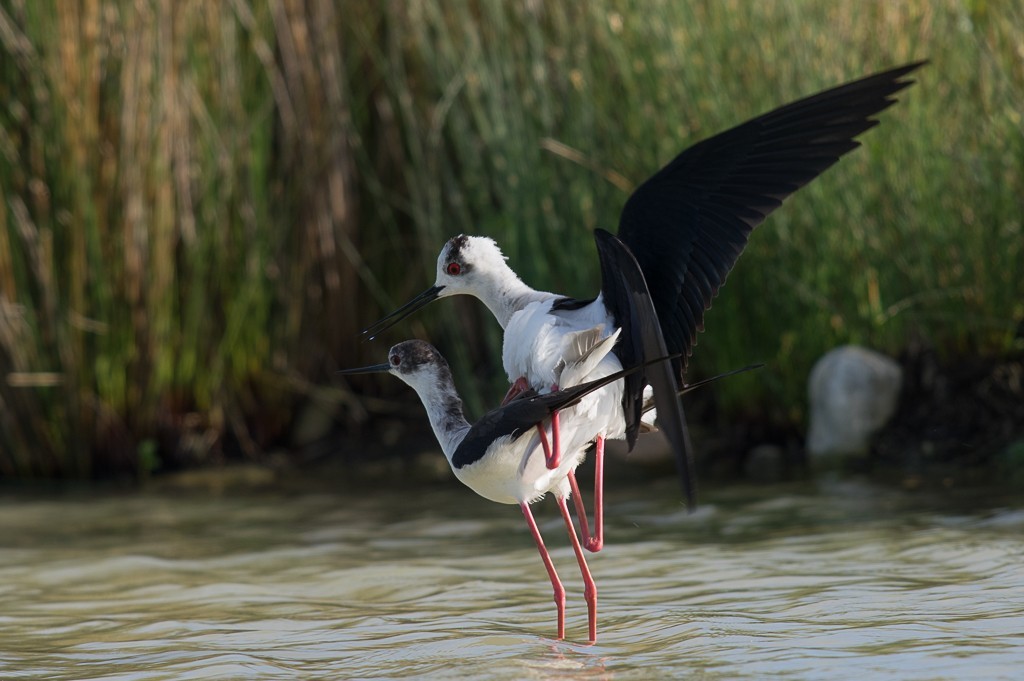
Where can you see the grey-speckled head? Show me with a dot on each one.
(422, 367)
(408, 359)
(419, 364)
(413, 356)
(416, 362)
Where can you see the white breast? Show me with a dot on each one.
(514, 471)
(535, 340)
(535, 346)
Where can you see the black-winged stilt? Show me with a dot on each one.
(686, 227)
(502, 456)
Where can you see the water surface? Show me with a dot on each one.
(826, 581)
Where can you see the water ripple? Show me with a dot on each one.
(833, 581)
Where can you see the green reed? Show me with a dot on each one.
(205, 202)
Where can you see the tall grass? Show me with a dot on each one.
(917, 235)
(176, 233)
(204, 202)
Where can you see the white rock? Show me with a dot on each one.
(853, 393)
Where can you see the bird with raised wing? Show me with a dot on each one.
(686, 227)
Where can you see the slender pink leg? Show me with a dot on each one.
(519, 386)
(556, 459)
(555, 435)
(589, 587)
(552, 453)
(556, 584)
(596, 542)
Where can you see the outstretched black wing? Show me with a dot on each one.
(689, 222)
(625, 294)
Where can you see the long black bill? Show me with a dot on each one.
(375, 369)
(401, 313)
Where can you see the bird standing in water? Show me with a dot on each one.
(680, 233)
(686, 227)
(501, 456)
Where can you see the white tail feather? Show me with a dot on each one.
(584, 351)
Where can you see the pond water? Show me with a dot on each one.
(815, 581)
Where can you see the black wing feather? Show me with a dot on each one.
(529, 410)
(625, 294)
(688, 224)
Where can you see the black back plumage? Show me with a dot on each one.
(688, 223)
(528, 410)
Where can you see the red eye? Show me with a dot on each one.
(395, 360)
(453, 269)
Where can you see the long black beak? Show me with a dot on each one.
(375, 369)
(401, 313)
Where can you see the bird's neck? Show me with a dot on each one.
(506, 294)
(444, 409)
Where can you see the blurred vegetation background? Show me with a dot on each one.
(205, 202)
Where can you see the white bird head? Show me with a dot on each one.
(469, 265)
(472, 265)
